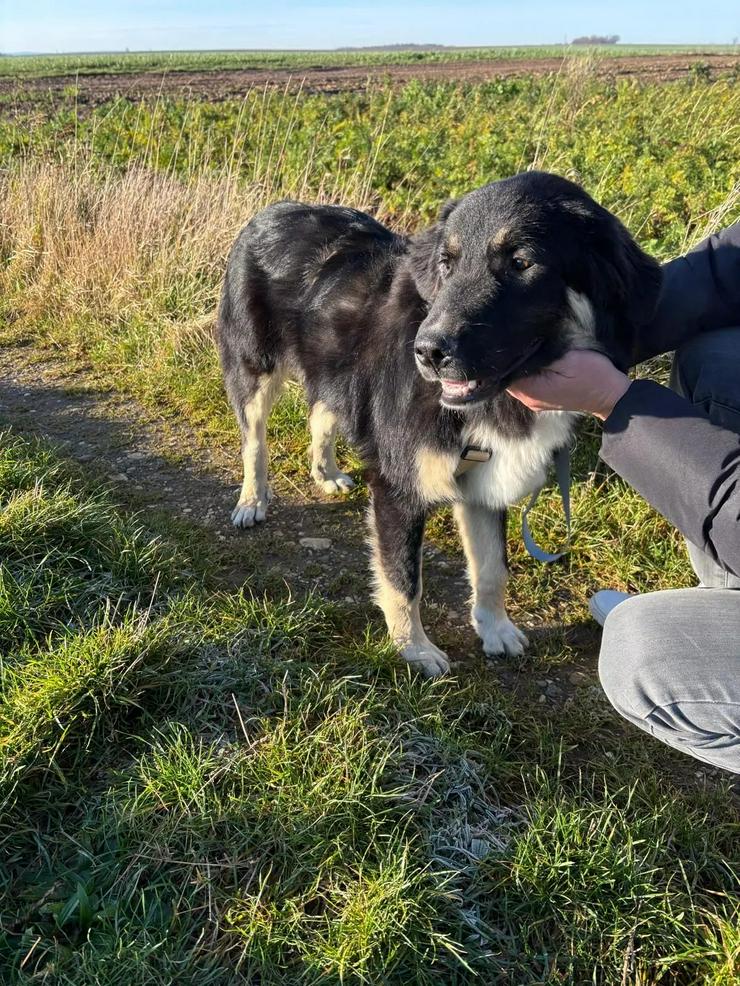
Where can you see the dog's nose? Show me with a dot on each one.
(433, 353)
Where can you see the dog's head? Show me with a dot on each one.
(517, 273)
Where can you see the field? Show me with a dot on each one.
(212, 767)
(29, 66)
(216, 76)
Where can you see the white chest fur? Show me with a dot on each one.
(517, 465)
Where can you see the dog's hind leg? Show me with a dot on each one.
(397, 532)
(252, 410)
(483, 533)
(324, 470)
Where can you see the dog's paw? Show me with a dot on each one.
(427, 658)
(250, 512)
(338, 482)
(499, 635)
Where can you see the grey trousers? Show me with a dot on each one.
(670, 661)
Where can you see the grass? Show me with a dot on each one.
(24, 66)
(660, 155)
(228, 787)
(244, 786)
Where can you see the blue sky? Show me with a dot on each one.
(92, 25)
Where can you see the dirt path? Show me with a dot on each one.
(219, 85)
(159, 464)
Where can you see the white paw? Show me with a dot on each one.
(499, 635)
(339, 482)
(252, 511)
(427, 658)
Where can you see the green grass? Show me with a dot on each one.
(225, 787)
(662, 156)
(192, 61)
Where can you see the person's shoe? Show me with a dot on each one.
(602, 603)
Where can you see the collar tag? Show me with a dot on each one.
(471, 455)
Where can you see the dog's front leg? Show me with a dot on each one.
(397, 532)
(483, 533)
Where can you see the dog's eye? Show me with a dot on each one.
(445, 264)
(520, 263)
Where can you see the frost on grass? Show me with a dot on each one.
(464, 821)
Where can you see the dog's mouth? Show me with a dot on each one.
(457, 393)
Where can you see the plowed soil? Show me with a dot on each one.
(221, 85)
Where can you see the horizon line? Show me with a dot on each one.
(402, 46)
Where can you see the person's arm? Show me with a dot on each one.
(685, 466)
(669, 450)
(700, 291)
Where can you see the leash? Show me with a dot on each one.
(472, 456)
(562, 475)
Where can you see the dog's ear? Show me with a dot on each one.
(424, 254)
(621, 281)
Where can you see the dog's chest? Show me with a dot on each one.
(517, 465)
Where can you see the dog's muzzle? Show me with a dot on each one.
(459, 390)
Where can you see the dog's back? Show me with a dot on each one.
(289, 271)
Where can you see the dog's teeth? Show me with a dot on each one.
(459, 388)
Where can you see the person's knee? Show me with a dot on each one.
(657, 674)
(706, 370)
(626, 662)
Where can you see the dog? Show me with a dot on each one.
(407, 345)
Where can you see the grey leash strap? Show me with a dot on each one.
(562, 474)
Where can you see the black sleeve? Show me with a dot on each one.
(701, 291)
(685, 466)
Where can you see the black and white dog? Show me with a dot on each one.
(407, 345)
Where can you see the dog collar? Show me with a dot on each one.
(472, 456)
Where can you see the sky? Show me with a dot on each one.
(140, 25)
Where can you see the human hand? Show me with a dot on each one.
(582, 380)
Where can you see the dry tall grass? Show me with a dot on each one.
(85, 243)
(112, 246)
(81, 238)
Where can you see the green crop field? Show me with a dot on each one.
(194, 61)
(215, 771)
